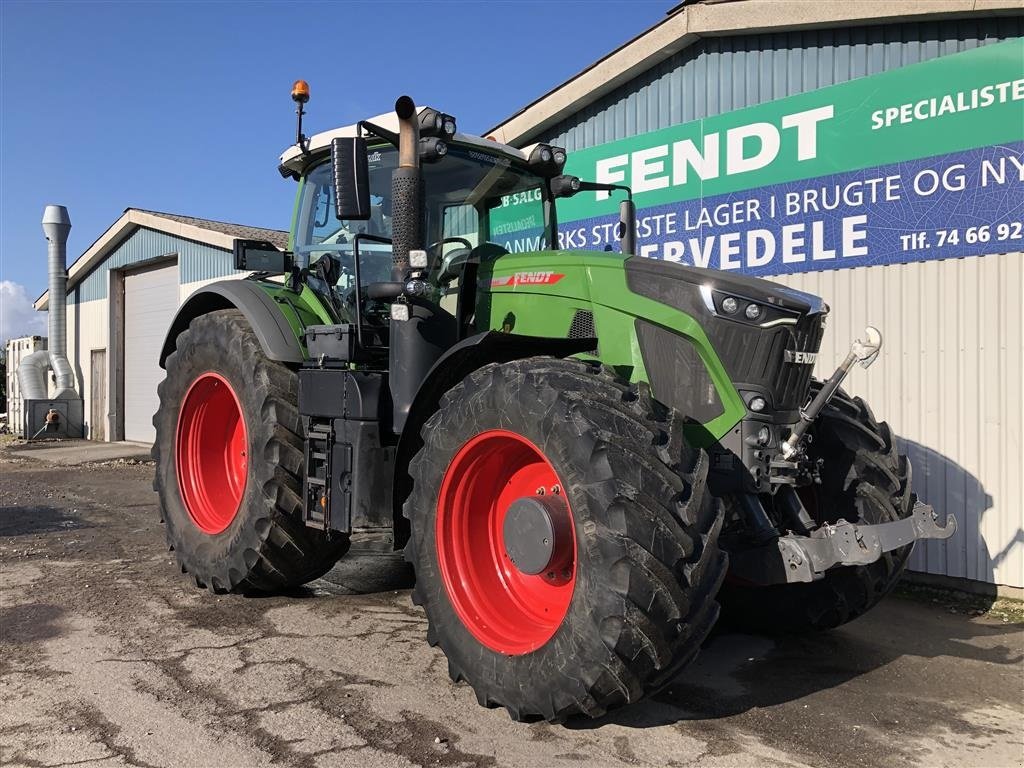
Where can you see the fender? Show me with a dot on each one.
(264, 316)
(454, 365)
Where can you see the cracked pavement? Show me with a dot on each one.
(109, 657)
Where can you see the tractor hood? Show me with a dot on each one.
(766, 335)
(705, 340)
(694, 290)
(658, 280)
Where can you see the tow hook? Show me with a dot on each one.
(806, 558)
(863, 352)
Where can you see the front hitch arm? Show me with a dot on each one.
(793, 558)
(863, 352)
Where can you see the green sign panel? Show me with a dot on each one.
(916, 163)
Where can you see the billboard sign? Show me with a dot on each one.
(918, 163)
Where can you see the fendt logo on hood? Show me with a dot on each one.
(802, 358)
(527, 278)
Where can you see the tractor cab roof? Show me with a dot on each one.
(294, 160)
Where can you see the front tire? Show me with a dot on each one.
(229, 463)
(625, 602)
(863, 480)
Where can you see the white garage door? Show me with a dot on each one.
(150, 301)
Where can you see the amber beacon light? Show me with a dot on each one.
(300, 92)
(300, 95)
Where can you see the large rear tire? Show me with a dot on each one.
(229, 463)
(863, 480)
(624, 601)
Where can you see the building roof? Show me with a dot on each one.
(219, 234)
(689, 21)
(276, 236)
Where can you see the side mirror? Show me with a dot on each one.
(262, 256)
(452, 265)
(627, 227)
(351, 178)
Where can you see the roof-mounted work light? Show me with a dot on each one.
(546, 160)
(432, 149)
(434, 123)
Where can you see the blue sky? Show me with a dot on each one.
(184, 106)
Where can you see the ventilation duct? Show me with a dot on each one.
(32, 369)
(32, 375)
(56, 226)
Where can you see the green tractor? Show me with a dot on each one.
(585, 455)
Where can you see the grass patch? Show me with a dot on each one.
(1003, 609)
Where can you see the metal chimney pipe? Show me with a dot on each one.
(406, 191)
(56, 226)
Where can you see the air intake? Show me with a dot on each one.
(582, 326)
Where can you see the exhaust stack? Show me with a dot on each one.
(56, 226)
(406, 190)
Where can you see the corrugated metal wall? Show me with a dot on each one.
(196, 261)
(950, 379)
(719, 75)
(949, 382)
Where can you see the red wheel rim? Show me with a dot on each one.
(211, 453)
(508, 611)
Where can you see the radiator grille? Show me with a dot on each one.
(756, 356)
(677, 374)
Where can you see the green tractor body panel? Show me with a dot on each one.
(300, 309)
(541, 293)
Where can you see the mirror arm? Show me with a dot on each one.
(596, 186)
(376, 130)
(568, 186)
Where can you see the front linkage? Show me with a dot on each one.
(806, 558)
(796, 558)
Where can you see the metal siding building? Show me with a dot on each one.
(122, 295)
(722, 74)
(950, 378)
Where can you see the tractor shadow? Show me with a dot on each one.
(367, 569)
(35, 520)
(736, 673)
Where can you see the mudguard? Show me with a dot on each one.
(265, 317)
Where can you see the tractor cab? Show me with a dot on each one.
(472, 200)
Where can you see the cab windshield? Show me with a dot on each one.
(471, 196)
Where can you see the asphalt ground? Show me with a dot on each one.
(109, 657)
